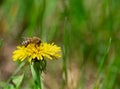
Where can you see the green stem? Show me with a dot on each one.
(102, 63)
(36, 74)
(64, 53)
(16, 71)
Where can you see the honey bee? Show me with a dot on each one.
(34, 40)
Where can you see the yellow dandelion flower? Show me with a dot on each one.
(33, 51)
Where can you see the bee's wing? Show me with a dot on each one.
(25, 38)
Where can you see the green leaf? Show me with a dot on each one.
(9, 87)
(17, 80)
(3, 85)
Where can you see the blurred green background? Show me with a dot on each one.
(88, 32)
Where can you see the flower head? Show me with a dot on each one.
(39, 52)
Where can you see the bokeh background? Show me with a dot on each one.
(88, 31)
